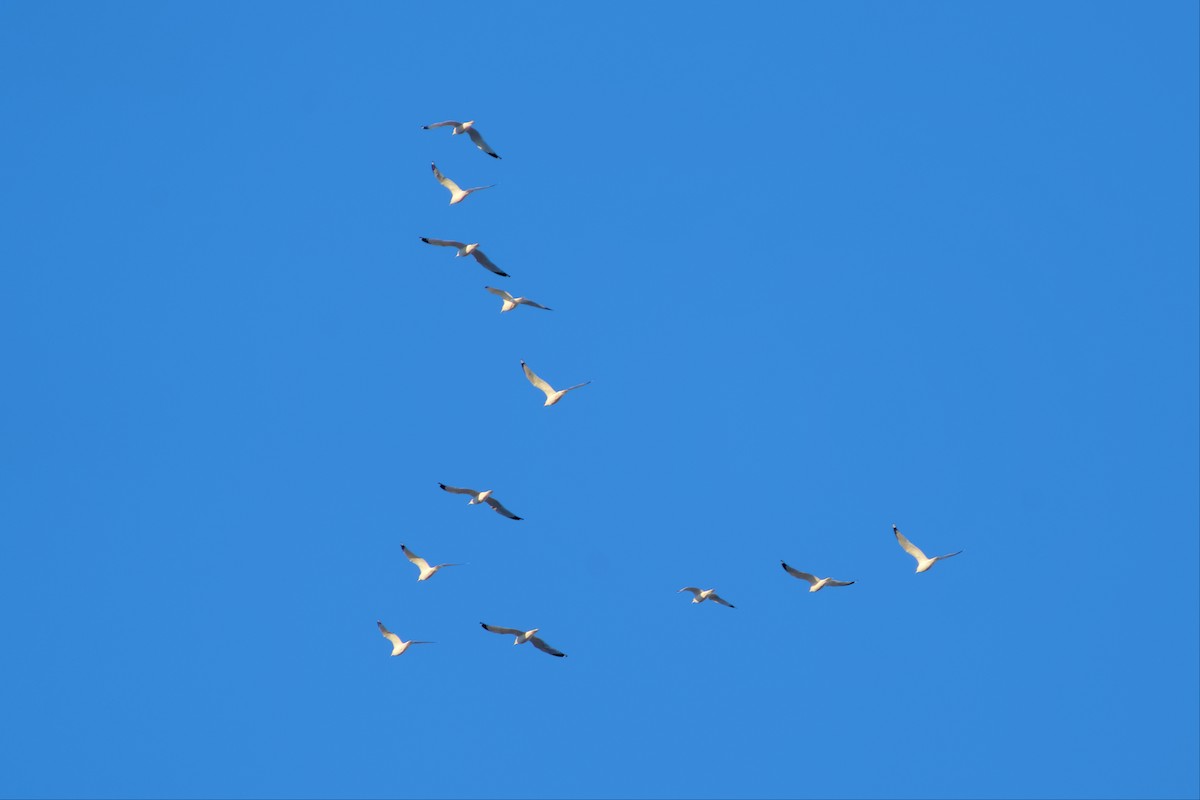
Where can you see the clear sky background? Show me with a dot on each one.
(830, 266)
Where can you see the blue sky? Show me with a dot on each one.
(830, 266)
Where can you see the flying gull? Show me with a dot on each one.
(552, 396)
(923, 561)
(705, 594)
(817, 583)
(481, 497)
(525, 636)
(464, 127)
(398, 646)
(457, 195)
(468, 250)
(427, 571)
(511, 302)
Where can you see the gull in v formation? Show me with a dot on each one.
(427, 571)
(398, 646)
(467, 250)
(521, 637)
(705, 594)
(817, 583)
(924, 562)
(468, 128)
(552, 395)
(457, 194)
(511, 302)
(481, 497)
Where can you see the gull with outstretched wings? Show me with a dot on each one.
(427, 571)
(552, 395)
(700, 595)
(481, 497)
(467, 250)
(923, 561)
(464, 127)
(457, 195)
(398, 646)
(511, 302)
(817, 583)
(521, 637)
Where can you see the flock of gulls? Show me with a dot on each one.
(427, 571)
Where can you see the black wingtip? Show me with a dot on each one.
(423, 239)
(442, 485)
(522, 362)
(493, 155)
(483, 624)
(504, 275)
(517, 519)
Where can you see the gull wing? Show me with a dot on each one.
(443, 180)
(391, 637)
(908, 546)
(717, 598)
(536, 381)
(443, 243)
(487, 262)
(832, 582)
(456, 490)
(576, 386)
(495, 629)
(499, 509)
(441, 124)
(416, 559)
(950, 555)
(795, 573)
(525, 301)
(500, 293)
(545, 648)
(480, 143)
(691, 589)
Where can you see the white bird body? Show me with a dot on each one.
(427, 571)
(521, 637)
(398, 645)
(552, 395)
(923, 561)
(481, 497)
(467, 250)
(468, 128)
(816, 584)
(457, 194)
(700, 595)
(511, 302)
